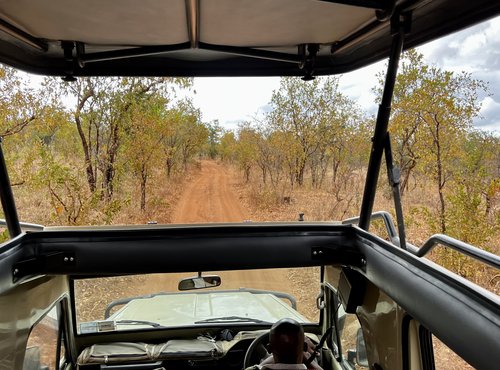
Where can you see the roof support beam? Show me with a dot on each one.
(7, 198)
(131, 53)
(23, 36)
(193, 21)
(253, 53)
(400, 24)
(371, 4)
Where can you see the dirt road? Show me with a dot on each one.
(210, 197)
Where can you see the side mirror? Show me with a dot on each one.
(361, 356)
(32, 359)
(358, 356)
(199, 282)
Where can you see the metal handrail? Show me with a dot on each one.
(25, 226)
(380, 215)
(438, 239)
(479, 254)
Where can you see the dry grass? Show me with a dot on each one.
(302, 290)
(419, 205)
(94, 295)
(321, 205)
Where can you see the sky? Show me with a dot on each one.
(475, 50)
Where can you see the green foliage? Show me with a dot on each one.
(305, 132)
(466, 219)
(20, 106)
(67, 196)
(246, 148)
(432, 113)
(227, 146)
(313, 115)
(101, 113)
(4, 236)
(71, 202)
(215, 131)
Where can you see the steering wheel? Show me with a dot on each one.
(257, 350)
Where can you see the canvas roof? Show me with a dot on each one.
(217, 37)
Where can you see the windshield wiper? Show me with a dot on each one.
(138, 322)
(230, 319)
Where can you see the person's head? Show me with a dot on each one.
(286, 341)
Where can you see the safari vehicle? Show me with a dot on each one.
(400, 299)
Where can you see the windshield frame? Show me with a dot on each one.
(286, 299)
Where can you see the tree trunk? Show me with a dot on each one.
(264, 173)
(91, 180)
(170, 165)
(406, 172)
(299, 172)
(335, 170)
(247, 173)
(144, 179)
(440, 182)
(109, 165)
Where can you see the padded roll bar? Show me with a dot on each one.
(7, 198)
(379, 139)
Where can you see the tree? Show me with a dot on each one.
(404, 122)
(246, 148)
(306, 111)
(193, 133)
(20, 105)
(478, 172)
(101, 110)
(214, 135)
(432, 111)
(227, 145)
(144, 135)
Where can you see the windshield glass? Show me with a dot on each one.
(154, 301)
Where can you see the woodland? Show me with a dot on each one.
(118, 150)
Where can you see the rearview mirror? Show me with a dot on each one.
(199, 282)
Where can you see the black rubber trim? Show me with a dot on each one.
(405, 341)
(426, 348)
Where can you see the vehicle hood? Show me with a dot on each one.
(187, 309)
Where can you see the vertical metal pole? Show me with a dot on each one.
(7, 198)
(394, 180)
(380, 134)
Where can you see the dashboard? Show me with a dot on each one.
(227, 350)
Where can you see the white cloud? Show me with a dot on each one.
(475, 50)
(233, 100)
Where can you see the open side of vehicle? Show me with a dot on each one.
(399, 297)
